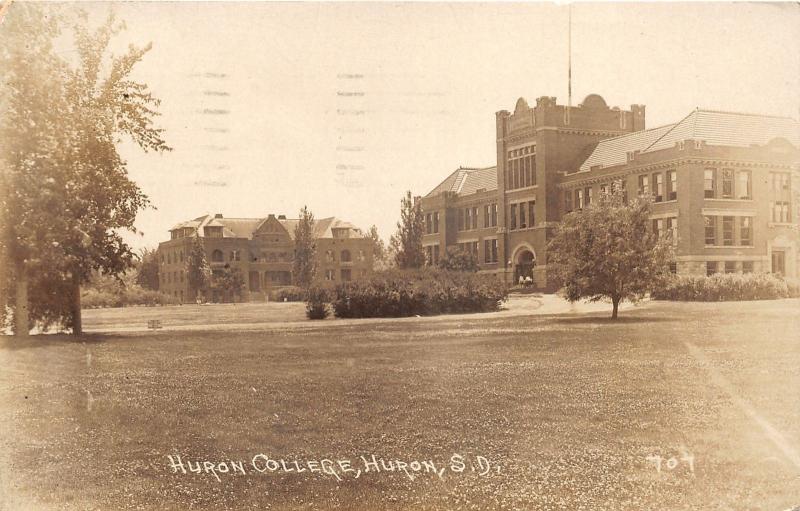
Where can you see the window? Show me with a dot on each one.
(475, 217)
(362, 256)
(494, 215)
(743, 189)
(709, 183)
(658, 226)
(730, 266)
(236, 255)
(436, 254)
(711, 268)
(727, 230)
(217, 256)
(460, 219)
(747, 266)
(513, 216)
(644, 186)
(181, 256)
(672, 228)
(779, 262)
(329, 275)
(745, 231)
(727, 184)
(567, 201)
(531, 217)
(673, 267)
(486, 216)
(710, 229)
(588, 195)
(428, 223)
(181, 276)
(658, 187)
(346, 257)
(436, 222)
(579, 199)
(329, 257)
(522, 223)
(490, 251)
(521, 168)
(169, 257)
(603, 190)
(780, 204)
(672, 185)
(467, 218)
(347, 274)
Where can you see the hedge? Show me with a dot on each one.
(424, 292)
(128, 296)
(288, 294)
(726, 287)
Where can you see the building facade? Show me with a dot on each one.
(725, 185)
(263, 249)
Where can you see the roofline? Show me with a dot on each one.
(654, 142)
(698, 109)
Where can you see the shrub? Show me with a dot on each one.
(428, 291)
(317, 302)
(123, 297)
(288, 294)
(726, 287)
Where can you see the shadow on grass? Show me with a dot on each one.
(607, 320)
(14, 343)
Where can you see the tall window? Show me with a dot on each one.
(658, 187)
(494, 215)
(579, 199)
(710, 230)
(490, 251)
(644, 186)
(672, 228)
(345, 256)
(672, 185)
(730, 266)
(658, 226)
(513, 216)
(460, 219)
(521, 167)
(743, 188)
(745, 230)
(486, 216)
(567, 201)
(781, 202)
(475, 217)
(727, 230)
(522, 223)
(217, 256)
(709, 183)
(747, 266)
(711, 268)
(727, 184)
(435, 222)
(531, 217)
(588, 192)
(428, 223)
(467, 218)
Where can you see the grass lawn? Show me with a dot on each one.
(570, 412)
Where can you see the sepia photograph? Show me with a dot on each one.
(307, 255)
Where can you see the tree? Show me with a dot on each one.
(305, 257)
(407, 242)
(67, 191)
(458, 259)
(230, 283)
(147, 270)
(381, 257)
(608, 251)
(198, 271)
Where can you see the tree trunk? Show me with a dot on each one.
(21, 321)
(77, 326)
(615, 303)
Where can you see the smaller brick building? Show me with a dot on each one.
(263, 250)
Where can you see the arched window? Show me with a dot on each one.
(346, 258)
(217, 257)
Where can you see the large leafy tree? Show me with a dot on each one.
(147, 270)
(305, 258)
(198, 271)
(230, 283)
(381, 256)
(407, 241)
(609, 251)
(67, 193)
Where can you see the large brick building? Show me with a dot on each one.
(725, 185)
(263, 250)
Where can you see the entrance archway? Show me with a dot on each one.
(524, 262)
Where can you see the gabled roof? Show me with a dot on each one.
(730, 129)
(246, 227)
(712, 127)
(614, 151)
(466, 181)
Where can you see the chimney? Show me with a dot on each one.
(281, 217)
(218, 215)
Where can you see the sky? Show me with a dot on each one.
(345, 106)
